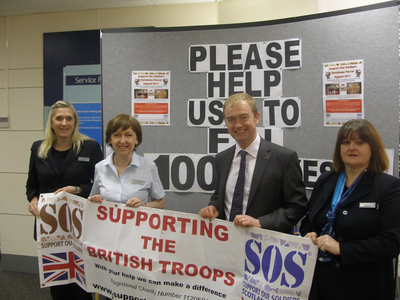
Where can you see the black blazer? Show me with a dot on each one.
(368, 229)
(78, 170)
(277, 194)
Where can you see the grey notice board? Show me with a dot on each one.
(370, 33)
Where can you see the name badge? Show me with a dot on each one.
(367, 204)
(137, 181)
(85, 159)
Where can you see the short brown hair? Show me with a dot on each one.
(367, 132)
(123, 121)
(237, 99)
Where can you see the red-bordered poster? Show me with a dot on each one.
(151, 96)
(343, 91)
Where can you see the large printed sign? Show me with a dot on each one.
(278, 113)
(284, 112)
(254, 68)
(183, 172)
(145, 253)
(219, 139)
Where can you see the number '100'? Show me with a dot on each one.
(195, 172)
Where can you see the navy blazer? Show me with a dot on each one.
(78, 170)
(367, 227)
(277, 194)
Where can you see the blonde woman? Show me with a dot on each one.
(64, 161)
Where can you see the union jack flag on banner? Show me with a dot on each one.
(63, 266)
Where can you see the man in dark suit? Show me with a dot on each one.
(274, 194)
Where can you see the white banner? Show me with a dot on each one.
(144, 253)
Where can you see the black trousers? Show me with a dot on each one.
(69, 292)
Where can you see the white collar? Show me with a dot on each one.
(252, 149)
(134, 160)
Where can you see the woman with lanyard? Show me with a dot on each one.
(354, 219)
(63, 161)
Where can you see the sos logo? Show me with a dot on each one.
(275, 267)
(59, 219)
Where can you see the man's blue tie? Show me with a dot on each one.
(237, 200)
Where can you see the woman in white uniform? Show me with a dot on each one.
(124, 176)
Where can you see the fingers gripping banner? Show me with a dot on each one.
(145, 253)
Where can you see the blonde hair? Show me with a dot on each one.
(236, 99)
(77, 138)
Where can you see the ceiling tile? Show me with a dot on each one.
(22, 7)
(117, 3)
(46, 3)
(165, 2)
(8, 4)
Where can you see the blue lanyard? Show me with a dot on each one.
(337, 195)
